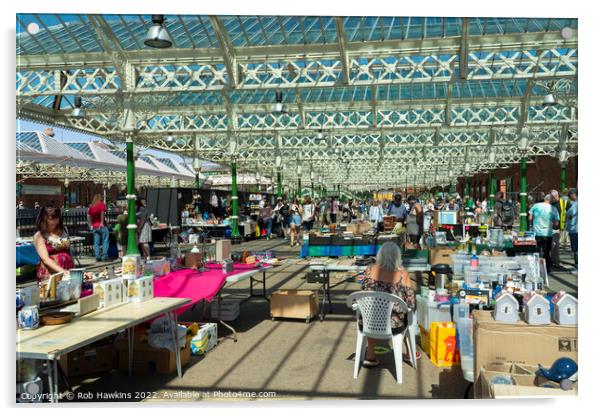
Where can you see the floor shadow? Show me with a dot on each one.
(451, 384)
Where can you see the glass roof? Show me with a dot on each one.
(83, 148)
(30, 139)
(78, 33)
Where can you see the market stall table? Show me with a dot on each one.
(27, 254)
(329, 267)
(212, 230)
(51, 342)
(206, 285)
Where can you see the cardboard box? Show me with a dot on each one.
(88, 360)
(138, 290)
(525, 379)
(205, 339)
(229, 309)
(192, 260)
(441, 255)
(149, 360)
(110, 292)
(498, 343)
(222, 250)
(298, 304)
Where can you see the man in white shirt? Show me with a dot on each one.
(376, 215)
(309, 211)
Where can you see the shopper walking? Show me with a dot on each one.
(309, 212)
(323, 210)
(545, 217)
(572, 225)
(295, 229)
(97, 225)
(266, 216)
(333, 210)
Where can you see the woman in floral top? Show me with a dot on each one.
(388, 275)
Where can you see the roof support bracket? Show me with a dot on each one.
(343, 49)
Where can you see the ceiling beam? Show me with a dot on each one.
(343, 49)
(464, 42)
(227, 50)
(408, 47)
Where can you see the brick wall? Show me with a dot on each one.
(542, 176)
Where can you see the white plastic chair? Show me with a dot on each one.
(375, 309)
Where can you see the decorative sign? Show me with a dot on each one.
(40, 190)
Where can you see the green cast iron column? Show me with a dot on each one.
(466, 187)
(66, 202)
(491, 190)
(562, 177)
(523, 194)
(132, 248)
(234, 219)
(279, 185)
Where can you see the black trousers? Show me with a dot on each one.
(545, 249)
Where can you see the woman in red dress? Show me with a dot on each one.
(52, 243)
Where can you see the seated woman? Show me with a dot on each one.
(388, 275)
(52, 243)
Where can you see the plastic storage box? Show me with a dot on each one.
(427, 312)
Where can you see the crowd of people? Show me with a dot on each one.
(552, 218)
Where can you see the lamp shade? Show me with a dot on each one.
(278, 161)
(491, 156)
(467, 167)
(549, 100)
(563, 156)
(157, 36)
(523, 143)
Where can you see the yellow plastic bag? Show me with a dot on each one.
(443, 348)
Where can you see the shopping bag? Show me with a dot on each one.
(443, 348)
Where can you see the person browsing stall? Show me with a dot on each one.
(52, 243)
(572, 225)
(97, 225)
(376, 215)
(545, 217)
(387, 275)
(398, 209)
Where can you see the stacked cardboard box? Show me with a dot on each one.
(500, 344)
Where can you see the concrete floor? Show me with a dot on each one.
(291, 359)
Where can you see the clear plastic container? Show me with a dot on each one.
(465, 338)
(470, 276)
(427, 311)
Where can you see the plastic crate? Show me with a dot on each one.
(427, 311)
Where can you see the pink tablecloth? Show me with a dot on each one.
(197, 286)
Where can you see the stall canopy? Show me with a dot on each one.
(48, 153)
(365, 102)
